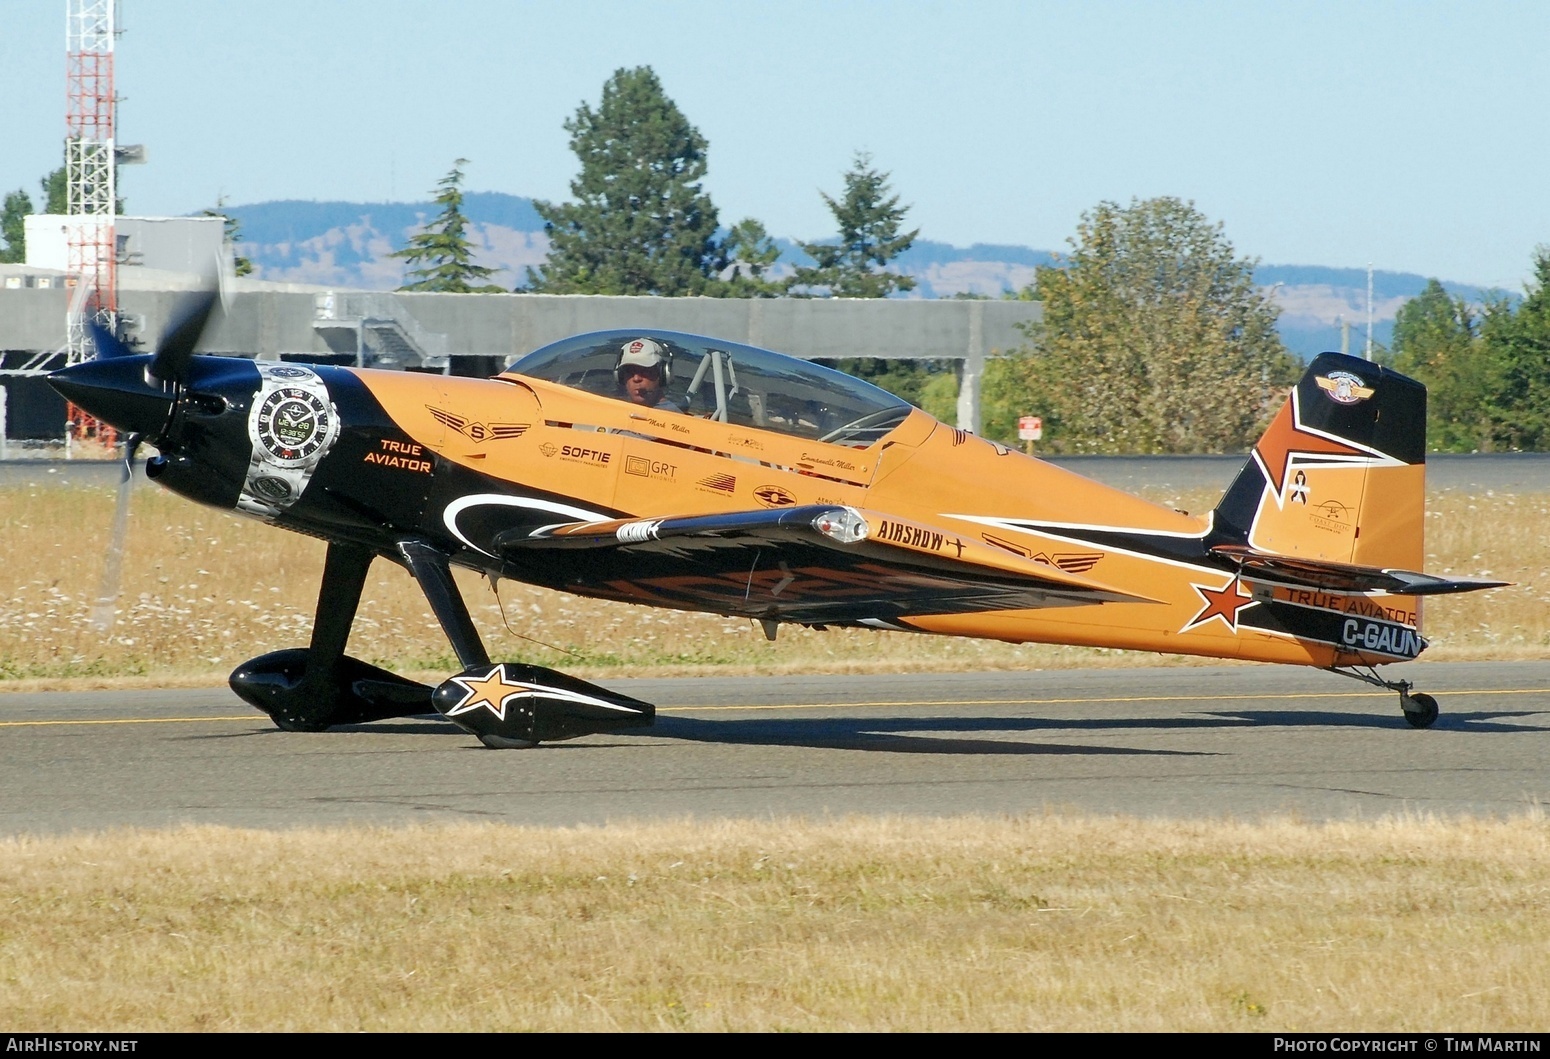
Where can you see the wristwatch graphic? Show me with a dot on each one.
(293, 424)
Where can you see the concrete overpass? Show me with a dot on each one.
(476, 334)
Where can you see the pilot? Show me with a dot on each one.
(644, 368)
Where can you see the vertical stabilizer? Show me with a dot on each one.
(1340, 475)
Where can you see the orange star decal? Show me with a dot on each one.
(1284, 439)
(1223, 603)
(490, 692)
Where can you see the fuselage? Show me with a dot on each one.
(372, 457)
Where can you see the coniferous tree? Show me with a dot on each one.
(1438, 340)
(750, 254)
(868, 218)
(231, 232)
(441, 253)
(1521, 339)
(640, 222)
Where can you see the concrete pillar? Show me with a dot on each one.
(269, 329)
(756, 322)
(973, 369)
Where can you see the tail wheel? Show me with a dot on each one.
(1420, 709)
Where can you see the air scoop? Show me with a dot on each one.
(118, 391)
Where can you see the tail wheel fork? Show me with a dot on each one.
(1420, 709)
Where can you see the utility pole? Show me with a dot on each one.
(1369, 310)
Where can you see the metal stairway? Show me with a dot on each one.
(377, 330)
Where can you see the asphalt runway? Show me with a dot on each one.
(1196, 742)
(1185, 742)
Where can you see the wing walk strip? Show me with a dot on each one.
(870, 705)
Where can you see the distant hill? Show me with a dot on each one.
(346, 244)
(292, 220)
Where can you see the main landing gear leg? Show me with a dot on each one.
(1420, 709)
(510, 705)
(313, 688)
(431, 569)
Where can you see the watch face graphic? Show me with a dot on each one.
(293, 424)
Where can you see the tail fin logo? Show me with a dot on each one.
(1300, 488)
(1344, 388)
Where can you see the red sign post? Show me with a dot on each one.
(1029, 430)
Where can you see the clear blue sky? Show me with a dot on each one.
(1412, 135)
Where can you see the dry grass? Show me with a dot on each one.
(204, 590)
(1036, 923)
(1499, 535)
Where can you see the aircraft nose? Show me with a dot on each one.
(117, 392)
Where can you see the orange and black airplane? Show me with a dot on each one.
(685, 472)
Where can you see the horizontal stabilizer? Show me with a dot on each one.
(1344, 577)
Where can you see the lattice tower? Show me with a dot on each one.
(92, 194)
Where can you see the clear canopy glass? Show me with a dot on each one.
(730, 382)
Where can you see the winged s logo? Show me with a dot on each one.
(478, 432)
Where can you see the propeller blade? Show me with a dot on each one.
(107, 344)
(226, 275)
(113, 565)
(176, 347)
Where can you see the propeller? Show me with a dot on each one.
(167, 371)
(106, 342)
(175, 351)
(113, 563)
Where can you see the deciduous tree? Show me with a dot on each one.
(640, 222)
(441, 252)
(18, 204)
(868, 217)
(1154, 338)
(13, 231)
(56, 193)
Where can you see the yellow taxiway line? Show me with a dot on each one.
(898, 704)
(130, 720)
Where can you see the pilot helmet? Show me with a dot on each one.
(645, 353)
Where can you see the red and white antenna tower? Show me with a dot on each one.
(92, 195)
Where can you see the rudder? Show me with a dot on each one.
(1340, 474)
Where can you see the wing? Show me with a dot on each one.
(816, 564)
